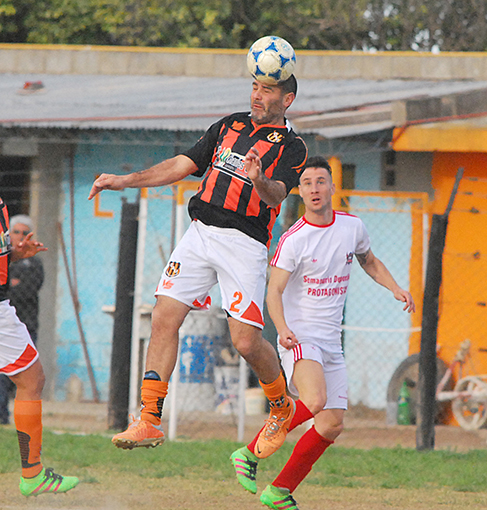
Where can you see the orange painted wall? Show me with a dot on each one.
(463, 295)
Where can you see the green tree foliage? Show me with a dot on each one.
(307, 24)
(449, 25)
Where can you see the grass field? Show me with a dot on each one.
(198, 475)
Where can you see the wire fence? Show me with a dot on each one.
(211, 384)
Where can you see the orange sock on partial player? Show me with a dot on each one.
(28, 422)
(276, 389)
(153, 394)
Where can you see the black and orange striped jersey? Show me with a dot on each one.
(226, 197)
(5, 249)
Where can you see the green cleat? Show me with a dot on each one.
(245, 464)
(278, 498)
(47, 481)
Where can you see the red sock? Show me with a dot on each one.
(301, 415)
(306, 452)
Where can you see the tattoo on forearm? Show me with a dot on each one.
(362, 257)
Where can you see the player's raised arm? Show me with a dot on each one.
(26, 248)
(272, 192)
(277, 283)
(167, 172)
(376, 269)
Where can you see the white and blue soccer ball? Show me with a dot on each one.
(271, 60)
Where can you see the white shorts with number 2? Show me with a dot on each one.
(207, 255)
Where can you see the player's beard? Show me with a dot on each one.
(270, 114)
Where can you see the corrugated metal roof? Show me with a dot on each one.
(193, 103)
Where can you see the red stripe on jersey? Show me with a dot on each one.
(233, 194)
(263, 147)
(322, 226)
(253, 207)
(341, 213)
(209, 184)
(253, 314)
(3, 269)
(299, 224)
(25, 358)
(261, 126)
(270, 169)
(228, 142)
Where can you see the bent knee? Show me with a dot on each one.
(245, 346)
(315, 404)
(329, 430)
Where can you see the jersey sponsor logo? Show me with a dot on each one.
(329, 292)
(173, 269)
(350, 257)
(275, 137)
(167, 284)
(237, 126)
(232, 164)
(326, 279)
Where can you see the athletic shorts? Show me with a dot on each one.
(17, 350)
(207, 255)
(334, 369)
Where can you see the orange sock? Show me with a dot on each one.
(28, 422)
(275, 390)
(153, 394)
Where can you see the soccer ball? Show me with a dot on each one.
(271, 60)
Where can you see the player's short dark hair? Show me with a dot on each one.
(317, 162)
(289, 85)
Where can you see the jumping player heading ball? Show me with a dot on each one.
(249, 162)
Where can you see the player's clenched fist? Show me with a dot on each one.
(107, 181)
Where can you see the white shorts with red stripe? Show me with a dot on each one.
(334, 369)
(207, 255)
(17, 351)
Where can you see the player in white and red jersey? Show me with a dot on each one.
(310, 273)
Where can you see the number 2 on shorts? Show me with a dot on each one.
(237, 300)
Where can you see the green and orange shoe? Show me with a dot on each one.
(245, 464)
(47, 481)
(278, 498)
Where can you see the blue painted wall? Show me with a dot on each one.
(96, 249)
